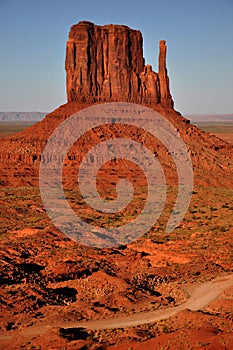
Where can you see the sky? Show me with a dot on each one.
(199, 37)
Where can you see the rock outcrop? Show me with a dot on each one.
(105, 63)
(165, 96)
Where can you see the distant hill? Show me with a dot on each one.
(21, 116)
(210, 118)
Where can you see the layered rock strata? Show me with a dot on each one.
(105, 63)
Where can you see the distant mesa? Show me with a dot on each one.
(21, 116)
(106, 64)
(210, 118)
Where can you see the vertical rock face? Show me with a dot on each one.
(165, 96)
(105, 63)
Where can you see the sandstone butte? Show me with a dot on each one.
(49, 280)
(106, 64)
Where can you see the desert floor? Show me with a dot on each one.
(161, 292)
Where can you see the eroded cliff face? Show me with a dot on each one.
(105, 63)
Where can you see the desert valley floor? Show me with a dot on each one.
(52, 287)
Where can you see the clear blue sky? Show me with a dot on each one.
(199, 36)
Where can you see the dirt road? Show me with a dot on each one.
(201, 294)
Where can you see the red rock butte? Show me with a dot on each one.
(105, 64)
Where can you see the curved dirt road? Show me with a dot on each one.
(201, 294)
